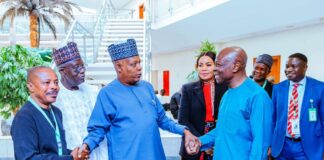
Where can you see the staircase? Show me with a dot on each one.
(102, 71)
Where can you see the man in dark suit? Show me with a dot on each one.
(298, 113)
(175, 104)
(37, 129)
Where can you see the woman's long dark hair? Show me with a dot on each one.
(210, 54)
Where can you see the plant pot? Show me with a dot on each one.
(5, 126)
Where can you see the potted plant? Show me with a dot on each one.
(14, 63)
(206, 46)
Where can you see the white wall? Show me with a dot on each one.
(179, 64)
(134, 4)
(307, 40)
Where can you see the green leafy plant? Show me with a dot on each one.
(14, 62)
(206, 46)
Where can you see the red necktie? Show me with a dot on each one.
(293, 108)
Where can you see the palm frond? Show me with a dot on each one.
(22, 11)
(7, 2)
(50, 24)
(73, 5)
(8, 14)
(64, 18)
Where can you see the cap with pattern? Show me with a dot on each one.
(66, 54)
(123, 50)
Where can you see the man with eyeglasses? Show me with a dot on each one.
(76, 98)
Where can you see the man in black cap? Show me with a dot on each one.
(261, 70)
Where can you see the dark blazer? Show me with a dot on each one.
(311, 132)
(192, 111)
(34, 138)
(268, 87)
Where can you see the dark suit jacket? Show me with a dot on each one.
(311, 132)
(192, 111)
(268, 88)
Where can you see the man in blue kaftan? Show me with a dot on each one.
(244, 121)
(128, 113)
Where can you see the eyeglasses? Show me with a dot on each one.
(77, 68)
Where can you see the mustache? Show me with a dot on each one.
(52, 92)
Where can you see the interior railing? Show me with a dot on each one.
(106, 10)
(147, 57)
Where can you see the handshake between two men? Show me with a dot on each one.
(82, 153)
(192, 144)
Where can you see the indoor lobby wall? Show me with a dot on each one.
(179, 64)
(307, 40)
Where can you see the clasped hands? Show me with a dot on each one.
(81, 153)
(192, 143)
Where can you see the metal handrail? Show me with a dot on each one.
(102, 19)
(147, 41)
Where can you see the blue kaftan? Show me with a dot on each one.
(244, 124)
(130, 117)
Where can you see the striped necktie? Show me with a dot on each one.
(293, 109)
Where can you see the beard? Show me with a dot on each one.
(260, 80)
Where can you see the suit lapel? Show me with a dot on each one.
(307, 97)
(197, 90)
(285, 97)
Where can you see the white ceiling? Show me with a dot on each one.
(237, 19)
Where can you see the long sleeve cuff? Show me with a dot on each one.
(91, 144)
(205, 143)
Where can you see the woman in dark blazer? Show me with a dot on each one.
(200, 102)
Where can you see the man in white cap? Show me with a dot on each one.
(128, 113)
(76, 98)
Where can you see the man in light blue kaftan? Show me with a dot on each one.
(244, 121)
(128, 113)
(243, 129)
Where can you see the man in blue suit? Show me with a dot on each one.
(298, 114)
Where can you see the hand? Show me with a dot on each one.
(74, 153)
(210, 151)
(84, 152)
(269, 154)
(192, 143)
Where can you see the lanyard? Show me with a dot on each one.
(264, 84)
(57, 131)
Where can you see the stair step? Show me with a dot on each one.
(125, 21)
(97, 75)
(125, 36)
(100, 66)
(123, 32)
(103, 59)
(99, 83)
(124, 28)
(124, 24)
